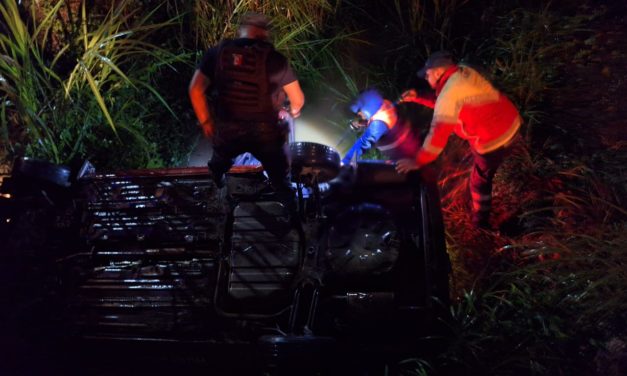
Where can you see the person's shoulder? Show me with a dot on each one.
(272, 48)
(276, 56)
(474, 67)
(467, 71)
(220, 45)
(464, 76)
(266, 44)
(475, 72)
(259, 43)
(233, 42)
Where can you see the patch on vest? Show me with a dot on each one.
(238, 59)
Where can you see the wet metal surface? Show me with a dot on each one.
(155, 238)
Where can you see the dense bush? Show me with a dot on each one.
(80, 83)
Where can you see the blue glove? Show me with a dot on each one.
(371, 135)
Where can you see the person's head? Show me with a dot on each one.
(254, 25)
(435, 66)
(364, 106)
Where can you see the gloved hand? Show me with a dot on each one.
(408, 96)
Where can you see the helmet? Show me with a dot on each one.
(368, 102)
(364, 106)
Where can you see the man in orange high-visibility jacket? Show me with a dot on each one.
(467, 104)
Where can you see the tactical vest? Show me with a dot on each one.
(242, 83)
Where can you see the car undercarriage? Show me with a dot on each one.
(356, 260)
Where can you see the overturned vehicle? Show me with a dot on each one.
(165, 255)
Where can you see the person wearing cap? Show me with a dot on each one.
(384, 128)
(467, 104)
(248, 82)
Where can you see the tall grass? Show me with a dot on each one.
(547, 297)
(534, 317)
(296, 27)
(527, 53)
(26, 80)
(51, 110)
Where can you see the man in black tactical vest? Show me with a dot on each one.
(248, 81)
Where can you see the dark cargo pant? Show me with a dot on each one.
(265, 141)
(483, 171)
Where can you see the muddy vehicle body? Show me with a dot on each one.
(150, 256)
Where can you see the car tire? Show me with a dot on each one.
(42, 171)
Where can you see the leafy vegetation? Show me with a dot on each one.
(544, 295)
(85, 93)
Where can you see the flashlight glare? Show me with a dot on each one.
(309, 130)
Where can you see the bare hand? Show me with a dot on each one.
(283, 114)
(404, 166)
(408, 95)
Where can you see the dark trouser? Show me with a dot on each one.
(267, 142)
(483, 170)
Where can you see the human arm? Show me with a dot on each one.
(445, 119)
(372, 134)
(432, 147)
(412, 96)
(197, 89)
(295, 96)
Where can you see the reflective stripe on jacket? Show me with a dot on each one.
(470, 106)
